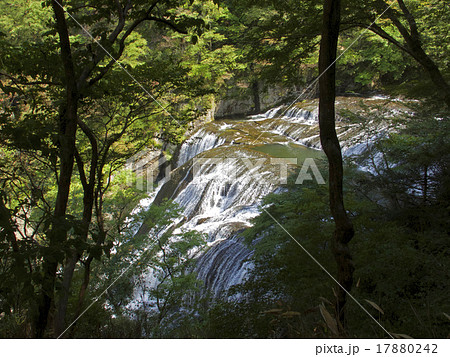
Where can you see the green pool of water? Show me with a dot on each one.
(290, 151)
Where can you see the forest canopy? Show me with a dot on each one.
(88, 87)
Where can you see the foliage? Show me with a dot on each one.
(148, 282)
(373, 63)
(399, 248)
(187, 55)
(116, 117)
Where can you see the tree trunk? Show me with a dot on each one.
(88, 206)
(59, 321)
(256, 97)
(101, 239)
(343, 227)
(60, 317)
(67, 131)
(443, 89)
(82, 294)
(413, 46)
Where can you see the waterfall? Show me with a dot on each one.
(196, 144)
(219, 188)
(220, 180)
(221, 185)
(303, 116)
(219, 201)
(218, 191)
(272, 112)
(294, 113)
(224, 265)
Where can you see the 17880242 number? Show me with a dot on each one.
(406, 348)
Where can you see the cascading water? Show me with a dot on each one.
(196, 144)
(219, 183)
(219, 200)
(223, 172)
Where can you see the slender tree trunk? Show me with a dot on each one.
(414, 43)
(443, 89)
(8, 229)
(82, 294)
(67, 132)
(60, 317)
(256, 97)
(88, 206)
(343, 227)
(68, 121)
(9, 233)
(101, 239)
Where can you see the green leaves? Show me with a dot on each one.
(398, 248)
(116, 118)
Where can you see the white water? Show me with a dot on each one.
(219, 201)
(223, 195)
(196, 144)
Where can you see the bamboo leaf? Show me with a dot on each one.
(400, 335)
(273, 311)
(375, 306)
(326, 300)
(329, 320)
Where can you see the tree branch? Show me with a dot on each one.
(411, 21)
(81, 171)
(168, 23)
(380, 32)
(94, 155)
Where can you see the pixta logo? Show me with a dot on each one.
(279, 167)
(148, 171)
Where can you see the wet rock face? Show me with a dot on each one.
(242, 102)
